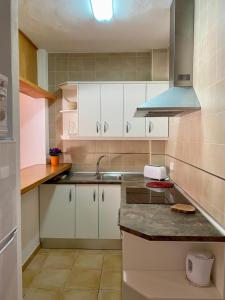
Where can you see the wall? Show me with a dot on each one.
(121, 155)
(197, 140)
(152, 65)
(32, 131)
(27, 58)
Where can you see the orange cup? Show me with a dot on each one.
(54, 160)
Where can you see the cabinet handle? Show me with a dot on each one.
(128, 127)
(150, 127)
(103, 196)
(70, 196)
(106, 127)
(94, 195)
(98, 127)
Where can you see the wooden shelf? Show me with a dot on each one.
(34, 91)
(33, 176)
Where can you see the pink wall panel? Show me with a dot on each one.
(32, 131)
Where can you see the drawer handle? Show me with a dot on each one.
(103, 196)
(70, 196)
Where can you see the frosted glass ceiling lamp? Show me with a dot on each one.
(102, 10)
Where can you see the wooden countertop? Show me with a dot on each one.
(33, 176)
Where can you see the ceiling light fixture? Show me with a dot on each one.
(102, 10)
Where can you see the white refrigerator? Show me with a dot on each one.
(9, 193)
(8, 232)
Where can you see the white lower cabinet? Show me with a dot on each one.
(82, 211)
(109, 204)
(87, 211)
(97, 208)
(57, 211)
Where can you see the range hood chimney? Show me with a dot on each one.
(180, 97)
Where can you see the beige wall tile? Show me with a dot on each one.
(199, 138)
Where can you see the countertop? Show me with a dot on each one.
(33, 176)
(156, 222)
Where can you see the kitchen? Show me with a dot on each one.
(132, 104)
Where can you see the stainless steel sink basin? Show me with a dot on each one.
(82, 176)
(110, 176)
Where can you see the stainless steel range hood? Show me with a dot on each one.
(180, 97)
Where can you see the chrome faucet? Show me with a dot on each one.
(98, 166)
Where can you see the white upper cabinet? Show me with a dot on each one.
(89, 110)
(106, 110)
(109, 204)
(112, 110)
(57, 211)
(157, 127)
(134, 95)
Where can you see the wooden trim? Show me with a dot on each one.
(33, 176)
(30, 258)
(21, 32)
(34, 91)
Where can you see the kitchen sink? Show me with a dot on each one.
(109, 176)
(94, 177)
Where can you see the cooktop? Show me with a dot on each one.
(142, 195)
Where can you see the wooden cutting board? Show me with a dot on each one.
(183, 208)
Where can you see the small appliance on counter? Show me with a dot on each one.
(198, 267)
(155, 172)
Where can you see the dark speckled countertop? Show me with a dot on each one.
(157, 222)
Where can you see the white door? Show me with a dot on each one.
(87, 211)
(89, 110)
(112, 110)
(109, 204)
(57, 211)
(134, 95)
(157, 126)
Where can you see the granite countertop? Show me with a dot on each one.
(157, 222)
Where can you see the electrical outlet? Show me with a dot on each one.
(171, 166)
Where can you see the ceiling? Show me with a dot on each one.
(69, 26)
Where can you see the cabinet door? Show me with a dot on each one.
(109, 204)
(157, 126)
(134, 95)
(57, 211)
(87, 211)
(89, 110)
(112, 110)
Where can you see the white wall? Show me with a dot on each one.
(32, 131)
(30, 223)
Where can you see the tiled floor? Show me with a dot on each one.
(59, 274)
